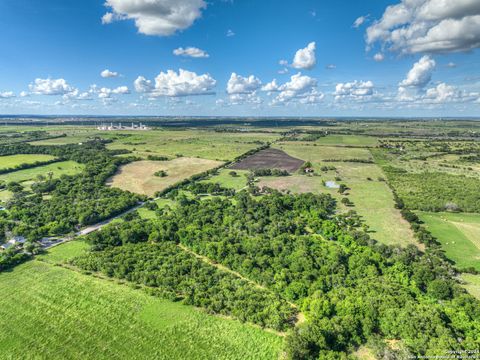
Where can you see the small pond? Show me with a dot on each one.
(331, 184)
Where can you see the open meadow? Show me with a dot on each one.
(459, 234)
(139, 177)
(56, 170)
(58, 313)
(232, 179)
(11, 161)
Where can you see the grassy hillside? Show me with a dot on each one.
(56, 313)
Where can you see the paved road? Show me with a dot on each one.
(54, 241)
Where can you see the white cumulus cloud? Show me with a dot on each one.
(51, 87)
(359, 21)
(305, 58)
(356, 90)
(378, 57)
(299, 87)
(443, 93)
(415, 26)
(6, 95)
(420, 74)
(176, 84)
(155, 17)
(108, 74)
(271, 86)
(104, 93)
(238, 84)
(191, 52)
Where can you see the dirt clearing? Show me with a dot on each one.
(269, 159)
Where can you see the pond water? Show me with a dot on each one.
(331, 184)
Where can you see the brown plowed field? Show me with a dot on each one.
(269, 159)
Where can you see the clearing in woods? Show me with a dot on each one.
(56, 313)
(57, 169)
(269, 159)
(139, 176)
(11, 161)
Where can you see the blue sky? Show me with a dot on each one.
(329, 58)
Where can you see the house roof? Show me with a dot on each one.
(6, 245)
(18, 239)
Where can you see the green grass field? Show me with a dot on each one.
(308, 152)
(5, 195)
(64, 252)
(190, 143)
(226, 180)
(347, 140)
(58, 169)
(11, 161)
(459, 235)
(472, 284)
(50, 312)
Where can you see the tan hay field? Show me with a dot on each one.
(138, 177)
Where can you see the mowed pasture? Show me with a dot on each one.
(51, 312)
(56, 169)
(459, 234)
(309, 152)
(11, 161)
(227, 180)
(206, 144)
(348, 140)
(139, 176)
(269, 159)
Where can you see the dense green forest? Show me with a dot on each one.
(351, 290)
(73, 201)
(174, 274)
(435, 191)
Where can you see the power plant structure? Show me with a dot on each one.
(119, 126)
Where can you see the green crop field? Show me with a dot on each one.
(58, 169)
(48, 311)
(459, 235)
(11, 161)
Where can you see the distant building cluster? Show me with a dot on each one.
(119, 126)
